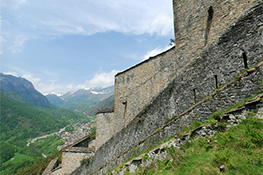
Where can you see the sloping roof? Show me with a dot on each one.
(107, 110)
(52, 164)
(77, 149)
(81, 140)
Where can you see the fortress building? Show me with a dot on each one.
(216, 62)
(198, 24)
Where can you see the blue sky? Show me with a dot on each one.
(67, 45)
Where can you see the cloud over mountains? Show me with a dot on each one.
(65, 45)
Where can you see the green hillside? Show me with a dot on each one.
(107, 103)
(237, 151)
(21, 121)
(233, 150)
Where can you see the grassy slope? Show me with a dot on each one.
(240, 150)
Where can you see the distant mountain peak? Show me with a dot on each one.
(24, 89)
(96, 93)
(54, 93)
(83, 100)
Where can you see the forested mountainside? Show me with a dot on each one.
(24, 89)
(21, 121)
(27, 114)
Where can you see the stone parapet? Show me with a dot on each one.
(105, 128)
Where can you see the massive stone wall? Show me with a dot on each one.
(134, 89)
(198, 23)
(218, 64)
(137, 86)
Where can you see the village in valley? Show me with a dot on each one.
(76, 132)
(70, 134)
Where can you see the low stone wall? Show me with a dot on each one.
(105, 127)
(217, 65)
(71, 161)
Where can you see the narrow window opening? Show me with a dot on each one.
(194, 94)
(209, 23)
(216, 81)
(125, 108)
(245, 59)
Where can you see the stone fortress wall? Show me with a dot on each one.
(135, 88)
(199, 69)
(197, 24)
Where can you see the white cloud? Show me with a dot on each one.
(42, 19)
(156, 51)
(10, 73)
(162, 24)
(70, 86)
(51, 88)
(103, 79)
(32, 78)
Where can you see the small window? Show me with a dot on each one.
(209, 23)
(194, 90)
(244, 55)
(216, 81)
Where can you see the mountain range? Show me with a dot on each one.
(87, 101)
(26, 114)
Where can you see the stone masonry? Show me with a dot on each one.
(135, 88)
(159, 153)
(218, 62)
(105, 127)
(198, 24)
